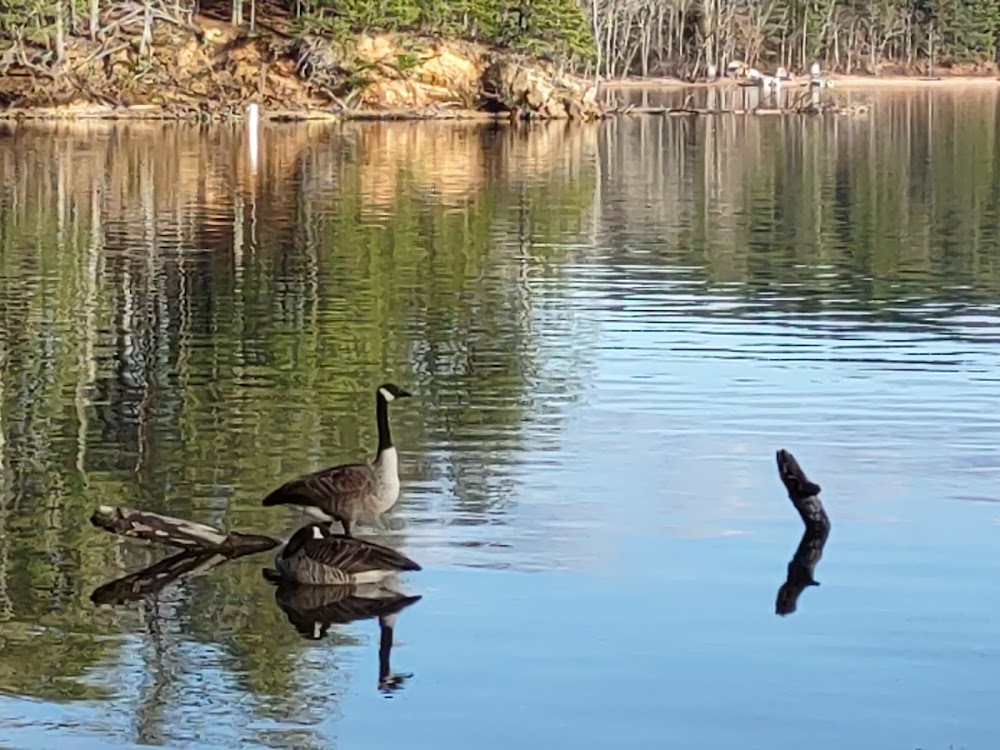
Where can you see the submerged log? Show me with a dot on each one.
(177, 532)
(803, 493)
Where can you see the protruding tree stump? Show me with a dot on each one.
(804, 495)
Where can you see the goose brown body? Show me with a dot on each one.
(315, 555)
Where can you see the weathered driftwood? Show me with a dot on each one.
(803, 493)
(177, 532)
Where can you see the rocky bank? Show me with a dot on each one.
(205, 69)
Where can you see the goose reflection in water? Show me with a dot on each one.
(804, 495)
(313, 609)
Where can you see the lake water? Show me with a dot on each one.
(610, 330)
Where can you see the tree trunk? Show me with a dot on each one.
(803, 493)
(60, 32)
(95, 19)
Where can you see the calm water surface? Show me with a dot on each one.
(609, 330)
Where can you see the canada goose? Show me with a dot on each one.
(315, 555)
(348, 492)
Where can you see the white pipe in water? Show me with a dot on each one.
(253, 128)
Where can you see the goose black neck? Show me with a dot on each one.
(384, 650)
(382, 418)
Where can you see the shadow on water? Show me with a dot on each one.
(804, 495)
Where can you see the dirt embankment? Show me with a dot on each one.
(209, 70)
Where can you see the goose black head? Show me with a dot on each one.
(391, 391)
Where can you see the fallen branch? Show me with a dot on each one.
(177, 532)
(100, 54)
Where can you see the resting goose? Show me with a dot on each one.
(315, 555)
(348, 492)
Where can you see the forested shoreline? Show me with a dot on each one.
(901, 37)
(218, 54)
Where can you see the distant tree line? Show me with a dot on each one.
(685, 36)
(613, 38)
(559, 29)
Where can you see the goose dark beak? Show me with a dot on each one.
(403, 394)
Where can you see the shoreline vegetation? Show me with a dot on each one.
(208, 61)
